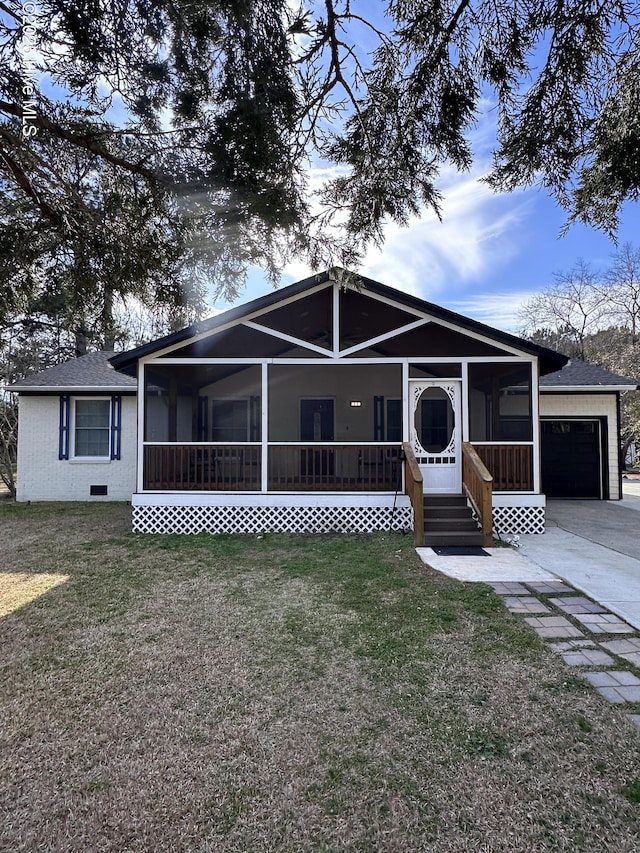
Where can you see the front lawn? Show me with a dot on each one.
(285, 693)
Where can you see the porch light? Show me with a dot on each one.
(356, 404)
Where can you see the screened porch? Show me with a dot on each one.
(304, 427)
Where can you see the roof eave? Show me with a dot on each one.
(590, 388)
(72, 389)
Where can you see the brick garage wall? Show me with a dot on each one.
(588, 407)
(44, 477)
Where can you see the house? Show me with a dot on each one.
(321, 408)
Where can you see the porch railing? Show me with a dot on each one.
(413, 486)
(291, 467)
(202, 467)
(334, 468)
(510, 465)
(477, 484)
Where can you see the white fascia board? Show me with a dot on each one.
(517, 499)
(579, 389)
(271, 499)
(74, 389)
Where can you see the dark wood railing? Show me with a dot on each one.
(413, 486)
(510, 465)
(206, 468)
(333, 468)
(477, 484)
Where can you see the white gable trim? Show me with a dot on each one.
(281, 336)
(425, 315)
(422, 318)
(237, 322)
(393, 334)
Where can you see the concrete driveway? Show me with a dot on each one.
(594, 546)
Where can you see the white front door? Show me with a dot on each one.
(434, 433)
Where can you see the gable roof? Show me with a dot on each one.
(90, 372)
(549, 359)
(581, 375)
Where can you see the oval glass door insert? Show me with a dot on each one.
(434, 420)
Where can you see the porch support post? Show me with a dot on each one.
(536, 428)
(406, 414)
(336, 319)
(264, 432)
(141, 427)
(465, 401)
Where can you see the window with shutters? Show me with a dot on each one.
(90, 428)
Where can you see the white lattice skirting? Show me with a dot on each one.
(239, 519)
(518, 519)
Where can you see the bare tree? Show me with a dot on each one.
(622, 290)
(595, 316)
(8, 441)
(571, 309)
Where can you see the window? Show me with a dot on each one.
(90, 427)
(230, 420)
(500, 402)
(387, 419)
(394, 420)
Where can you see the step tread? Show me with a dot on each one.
(454, 539)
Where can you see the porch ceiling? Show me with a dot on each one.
(194, 376)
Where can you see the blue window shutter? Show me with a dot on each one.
(378, 418)
(203, 419)
(254, 419)
(63, 431)
(116, 426)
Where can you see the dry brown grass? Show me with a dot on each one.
(289, 694)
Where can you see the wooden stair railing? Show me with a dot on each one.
(477, 484)
(414, 488)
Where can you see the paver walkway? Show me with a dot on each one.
(575, 622)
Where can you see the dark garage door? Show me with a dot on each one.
(571, 461)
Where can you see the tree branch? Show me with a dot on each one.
(82, 142)
(25, 184)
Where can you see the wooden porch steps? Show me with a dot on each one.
(448, 521)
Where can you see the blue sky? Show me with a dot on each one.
(490, 253)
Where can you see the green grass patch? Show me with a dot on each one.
(284, 692)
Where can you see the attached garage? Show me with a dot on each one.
(580, 432)
(572, 459)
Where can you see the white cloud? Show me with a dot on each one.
(499, 310)
(479, 232)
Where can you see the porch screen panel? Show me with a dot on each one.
(230, 420)
(500, 402)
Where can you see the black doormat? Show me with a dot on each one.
(460, 551)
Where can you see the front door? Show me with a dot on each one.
(434, 420)
(317, 421)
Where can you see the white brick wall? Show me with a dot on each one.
(589, 406)
(44, 477)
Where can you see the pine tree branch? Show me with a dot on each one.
(82, 141)
(25, 184)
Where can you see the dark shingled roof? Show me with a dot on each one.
(579, 373)
(88, 371)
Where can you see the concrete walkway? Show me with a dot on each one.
(594, 546)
